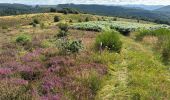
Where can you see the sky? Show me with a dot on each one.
(54, 2)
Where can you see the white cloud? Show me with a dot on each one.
(52, 2)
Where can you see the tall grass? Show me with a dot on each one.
(163, 43)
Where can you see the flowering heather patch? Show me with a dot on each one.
(32, 56)
(51, 97)
(29, 73)
(15, 81)
(51, 83)
(4, 71)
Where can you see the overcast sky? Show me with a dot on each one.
(53, 2)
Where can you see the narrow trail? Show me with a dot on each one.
(116, 87)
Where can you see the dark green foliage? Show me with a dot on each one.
(70, 21)
(36, 21)
(114, 19)
(23, 39)
(124, 31)
(79, 20)
(70, 47)
(62, 33)
(56, 19)
(4, 27)
(26, 75)
(136, 96)
(34, 24)
(63, 27)
(87, 19)
(17, 9)
(63, 30)
(53, 10)
(68, 11)
(108, 40)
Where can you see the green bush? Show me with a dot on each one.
(4, 27)
(56, 19)
(63, 27)
(62, 33)
(36, 21)
(70, 47)
(63, 30)
(109, 40)
(87, 19)
(23, 39)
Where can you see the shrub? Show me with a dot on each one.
(109, 40)
(87, 19)
(70, 21)
(63, 30)
(62, 33)
(4, 27)
(36, 21)
(63, 27)
(124, 31)
(23, 39)
(30, 75)
(70, 47)
(114, 19)
(56, 19)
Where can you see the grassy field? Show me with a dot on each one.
(34, 64)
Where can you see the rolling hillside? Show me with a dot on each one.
(42, 58)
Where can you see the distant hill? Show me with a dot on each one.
(144, 7)
(15, 9)
(165, 9)
(120, 11)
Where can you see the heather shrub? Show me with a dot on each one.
(30, 75)
(13, 90)
(56, 19)
(108, 40)
(23, 39)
